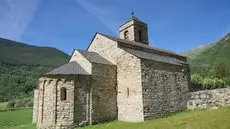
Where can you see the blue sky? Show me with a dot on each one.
(177, 25)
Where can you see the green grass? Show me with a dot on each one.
(197, 119)
(16, 119)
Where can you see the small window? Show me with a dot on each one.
(126, 34)
(140, 35)
(63, 93)
(175, 78)
(127, 92)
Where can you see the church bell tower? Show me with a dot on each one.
(134, 30)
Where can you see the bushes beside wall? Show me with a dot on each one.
(19, 103)
(203, 83)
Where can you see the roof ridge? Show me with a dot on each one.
(139, 44)
(94, 57)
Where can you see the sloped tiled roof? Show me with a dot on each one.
(70, 68)
(155, 57)
(141, 46)
(94, 57)
(148, 52)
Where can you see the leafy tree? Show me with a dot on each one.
(219, 69)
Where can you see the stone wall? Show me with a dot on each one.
(84, 63)
(104, 93)
(65, 108)
(89, 99)
(45, 108)
(35, 106)
(129, 97)
(48, 112)
(40, 112)
(53, 112)
(127, 27)
(128, 78)
(82, 100)
(105, 47)
(133, 28)
(165, 88)
(209, 98)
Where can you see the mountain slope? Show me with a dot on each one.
(22, 64)
(196, 51)
(12, 52)
(215, 58)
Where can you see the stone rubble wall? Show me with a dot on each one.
(65, 108)
(128, 78)
(128, 27)
(45, 112)
(104, 93)
(52, 112)
(209, 98)
(105, 47)
(35, 106)
(40, 96)
(48, 112)
(80, 59)
(165, 88)
(81, 100)
(129, 97)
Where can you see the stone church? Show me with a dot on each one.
(117, 78)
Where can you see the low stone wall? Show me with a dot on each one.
(35, 106)
(209, 98)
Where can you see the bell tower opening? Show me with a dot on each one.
(126, 35)
(134, 30)
(140, 35)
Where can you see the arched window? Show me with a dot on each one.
(140, 35)
(126, 34)
(63, 93)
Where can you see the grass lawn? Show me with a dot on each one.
(197, 119)
(16, 119)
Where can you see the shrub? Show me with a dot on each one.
(11, 104)
(19, 103)
(208, 83)
(201, 83)
(197, 79)
(219, 83)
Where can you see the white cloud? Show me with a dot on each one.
(15, 17)
(102, 13)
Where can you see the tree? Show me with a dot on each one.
(219, 69)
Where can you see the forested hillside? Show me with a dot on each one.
(213, 62)
(21, 65)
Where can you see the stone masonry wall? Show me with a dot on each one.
(104, 93)
(65, 108)
(45, 112)
(128, 77)
(40, 112)
(79, 58)
(129, 98)
(53, 112)
(35, 106)
(105, 47)
(82, 100)
(165, 88)
(209, 98)
(130, 28)
(48, 113)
